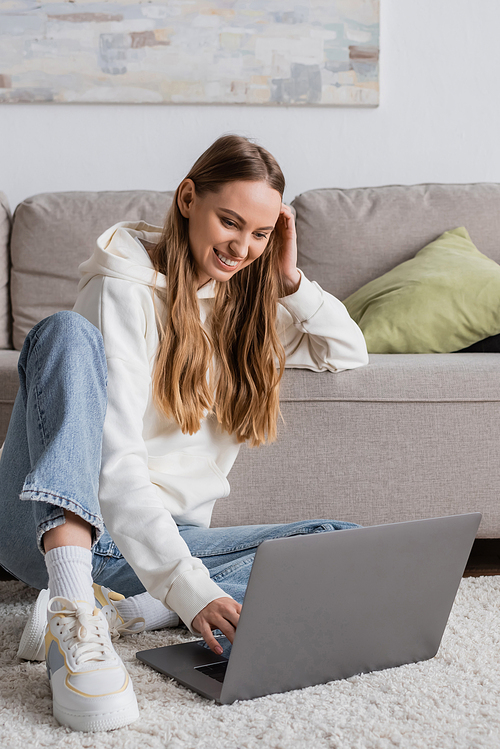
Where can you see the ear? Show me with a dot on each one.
(185, 197)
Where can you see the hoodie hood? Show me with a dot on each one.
(119, 253)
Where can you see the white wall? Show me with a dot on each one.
(438, 121)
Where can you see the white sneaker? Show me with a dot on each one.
(91, 689)
(32, 645)
(105, 600)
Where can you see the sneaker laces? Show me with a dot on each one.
(89, 631)
(118, 627)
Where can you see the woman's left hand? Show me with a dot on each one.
(285, 226)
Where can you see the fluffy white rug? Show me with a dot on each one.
(449, 702)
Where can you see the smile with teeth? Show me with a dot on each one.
(225, 260)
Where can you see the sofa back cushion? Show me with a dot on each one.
(53, 233)
(5, 318)
(346, 238)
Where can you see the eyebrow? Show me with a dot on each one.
(242, 220)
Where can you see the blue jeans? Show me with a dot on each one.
(51, 462)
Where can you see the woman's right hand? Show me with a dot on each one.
(223, 614)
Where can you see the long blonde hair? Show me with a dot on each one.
(243, 388)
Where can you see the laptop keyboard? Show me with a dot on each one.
(222, 641)
(216, 671)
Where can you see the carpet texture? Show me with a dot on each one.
(449, 702)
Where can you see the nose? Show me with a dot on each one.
(239, 249)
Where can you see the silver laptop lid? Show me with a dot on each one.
(331, 605)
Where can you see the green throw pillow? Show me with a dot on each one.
(444, 299)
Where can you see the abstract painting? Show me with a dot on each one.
(258, 52)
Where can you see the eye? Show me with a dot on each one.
(228, 222)
(261, 236)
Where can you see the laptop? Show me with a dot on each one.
(331, 605)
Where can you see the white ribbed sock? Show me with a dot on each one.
(70, 573)
(156, 615)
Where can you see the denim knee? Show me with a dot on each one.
(67, 323)
(55, 331)
(65, 320)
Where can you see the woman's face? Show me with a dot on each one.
(229, 229)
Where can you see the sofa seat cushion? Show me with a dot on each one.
(406, 437)
(409, 436)
(8, 376)
(9, 384)
(388, 377)
(397, 378)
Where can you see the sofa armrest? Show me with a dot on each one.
(5, 312)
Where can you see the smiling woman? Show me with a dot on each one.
(170, 360)
(217, 228)
(227, 224)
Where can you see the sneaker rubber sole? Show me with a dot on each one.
(97, 721)
(32, 647)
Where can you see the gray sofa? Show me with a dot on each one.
(406, 437)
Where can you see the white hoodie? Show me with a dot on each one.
(153, 476)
